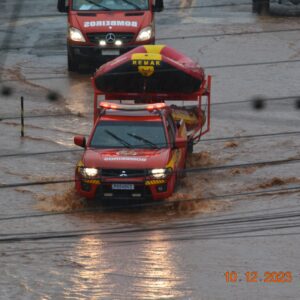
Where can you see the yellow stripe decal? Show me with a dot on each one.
(146, 58)
(174, 159)
(154, 182)
(92, 181)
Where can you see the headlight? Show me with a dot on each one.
(89, 172)
(160, 173)
(76, 35)
(145, 34)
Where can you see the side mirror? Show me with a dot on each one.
(61, 6)
(159, 6)
(180, 142)
(80, 141)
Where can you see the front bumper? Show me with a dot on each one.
(151, 189)
(88, 53)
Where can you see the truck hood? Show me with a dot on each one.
(126, 158)
(130, 21)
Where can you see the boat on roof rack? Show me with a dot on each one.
(155, 74)
(150, 69)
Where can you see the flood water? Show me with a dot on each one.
(241, 218)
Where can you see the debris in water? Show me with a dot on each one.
(276, 181)
(231, 144)
(239, 171)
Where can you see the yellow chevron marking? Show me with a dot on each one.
(146, 58)
(155, 182)
(154, 48)
(92, 181)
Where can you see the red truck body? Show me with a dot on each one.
(138, 151)
(99, 31)
(145, 166)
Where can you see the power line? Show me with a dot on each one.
(275, 99)
(213, 35)
(187, 170)
(82, 115)
(165, 9)
(24, 154)
(180, 8)
(211, 228)
(252, 64)
(284, 133)
(165, 71)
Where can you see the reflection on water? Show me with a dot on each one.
(158, 274)
(83, 91)
(187, 3)
(91, 266)
(143, 271)
(184, 5)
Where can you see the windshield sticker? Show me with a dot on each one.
(110, 23)
(125, 158)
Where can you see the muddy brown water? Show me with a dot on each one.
(55, 246)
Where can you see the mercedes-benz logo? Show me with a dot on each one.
(123, 174)
(110, 38)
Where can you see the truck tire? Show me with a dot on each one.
(72, 65)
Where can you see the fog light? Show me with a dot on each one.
(86, 187)
(102, 43)
(118, 43)
(161, 188)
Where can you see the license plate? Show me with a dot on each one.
(121, 186)
(110, 52)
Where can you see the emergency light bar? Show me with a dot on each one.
(132, 107)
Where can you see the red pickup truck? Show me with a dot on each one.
(99, 30)
(134, 151)
(138, 151)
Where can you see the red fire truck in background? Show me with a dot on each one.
(100, 30)
(138, 151)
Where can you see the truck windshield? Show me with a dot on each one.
(110, 4)
(141, 134)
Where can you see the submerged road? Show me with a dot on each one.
(227, 233)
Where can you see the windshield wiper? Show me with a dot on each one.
(133, 4)
(124, 143)
(143, 140)
(97, 4)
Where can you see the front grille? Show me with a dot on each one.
(125, 37)
(123, 173)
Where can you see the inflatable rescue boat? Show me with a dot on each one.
(150, 69)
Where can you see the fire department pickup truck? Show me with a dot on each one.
(99, 30)
(138, 151)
